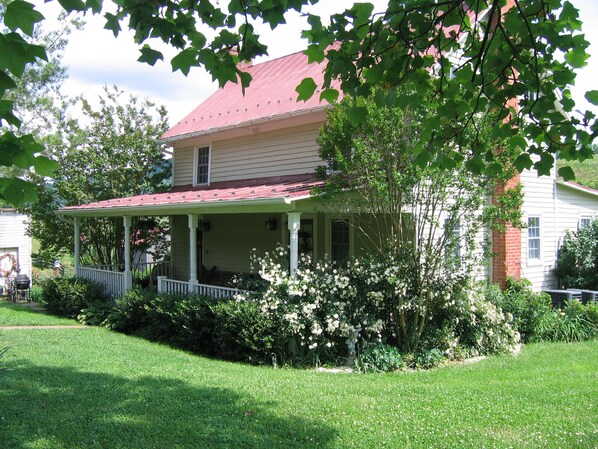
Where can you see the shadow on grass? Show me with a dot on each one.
(59, 407)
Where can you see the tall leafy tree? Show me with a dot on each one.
(30, 78)
(36, 96)
(496, 57)
(431, 219)
(111, 153)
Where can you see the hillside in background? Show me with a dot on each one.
(586, 172)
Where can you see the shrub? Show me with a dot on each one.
(129, 312)
(193, 320)
(428, 358)
(577, 265)
(527, 307)
(69, 296)
(470, 325)
(243, 332)
(575, 322)
(35, 293)
(95, 314)
(379, 358)
(185, 321)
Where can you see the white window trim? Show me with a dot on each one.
(539, 261)
(329, 219)
(460, 245)
(585, 216)
(195, 161)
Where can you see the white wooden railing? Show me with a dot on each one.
(150, 270)
(171, 286)
(113, 281)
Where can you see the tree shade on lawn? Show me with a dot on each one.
(94, 388)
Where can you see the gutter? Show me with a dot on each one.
(242, 124)
(578, 188)
(113, 210)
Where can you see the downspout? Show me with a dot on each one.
(556, 220)
(490, 257)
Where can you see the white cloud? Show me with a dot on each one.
(96, 58)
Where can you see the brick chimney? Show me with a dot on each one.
(506, 246)
(242, 65)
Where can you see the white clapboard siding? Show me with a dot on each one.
(572, 205)
(14, 238)
(273, 154)
(276, 153)
(183, 165)
(539, 201)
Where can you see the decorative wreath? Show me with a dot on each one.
(8, 264)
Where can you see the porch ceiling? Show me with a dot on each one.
(248, 195)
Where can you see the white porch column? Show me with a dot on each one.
(77, 245)
(128, 274)
(193, 222)
(294, 225)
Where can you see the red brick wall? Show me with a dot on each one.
(506, 247)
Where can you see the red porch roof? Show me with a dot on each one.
(271, 94)
(284, 188)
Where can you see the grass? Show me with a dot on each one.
(91, 388)
(20, 315)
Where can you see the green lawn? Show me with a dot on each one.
(21, 315)
(91, 388)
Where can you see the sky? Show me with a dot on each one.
(95, 58)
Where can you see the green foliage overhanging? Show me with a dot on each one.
(503, 55)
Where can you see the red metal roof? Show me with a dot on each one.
(270, 94)
(280, 187)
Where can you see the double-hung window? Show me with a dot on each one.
(202, 165)
(533, 238)
(453, 240)
(585, 221)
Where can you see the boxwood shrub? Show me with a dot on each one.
(69, 296)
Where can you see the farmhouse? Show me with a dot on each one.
(243, 175)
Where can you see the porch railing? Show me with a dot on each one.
(113, 281)
(171, 286)
(148, 270)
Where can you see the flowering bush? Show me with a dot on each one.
(324, 306)
(470, 325)
(334, 310)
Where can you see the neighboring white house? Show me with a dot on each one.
(15, 244)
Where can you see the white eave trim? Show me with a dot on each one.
(177, 208)
(577, 188)
(258, 121)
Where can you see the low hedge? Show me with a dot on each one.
(69, 296)
(240, 331)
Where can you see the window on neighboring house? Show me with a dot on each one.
(340, 240)
(453, 248)
(202, 174)
(533, 238)
(585, 221)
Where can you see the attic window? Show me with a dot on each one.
(202, 165)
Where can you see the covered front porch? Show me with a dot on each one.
(213, 230)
